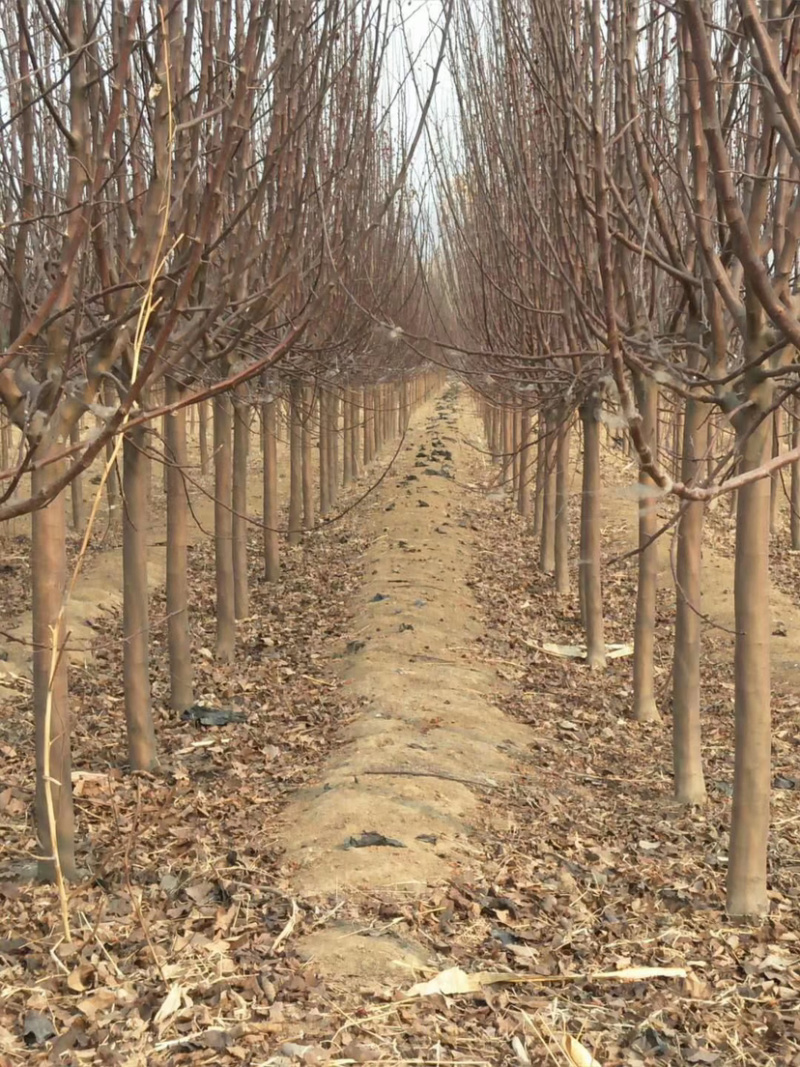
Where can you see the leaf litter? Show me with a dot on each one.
(598, 900)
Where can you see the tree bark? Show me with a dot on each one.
(295, 462)
(241, 448)
(590, 536)
(794, 520)
(50, 681)
(308, 475)
(223, 529)
(76, 488)
(538, 489)
(547, 542)
(135, 621)
(644, 698)
(272, 564)
(562, 507)
(747, 866)
(202, 423)
(524, 495)
(689, 782)
(180, 646)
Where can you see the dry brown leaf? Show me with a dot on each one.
(578, 1054)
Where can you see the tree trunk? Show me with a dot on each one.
(538, 489)
(590, 536)
(794, 521)
(333, 450)
(689, 783)
(347, 439)
(180, 647)
(367, 416)
(241, 443)
(223, 529)
(516, 438)
(135, 621)
(776, 479)
(295, 462)
(324, 453)
(355, 420)
(644, 698)
(524, 495)
(308, 475)
(747, 866)
(76, 487)
(547, 542)
(50, 683)
(112, 482)
(562, 507)
(202, 422)
(272, 565)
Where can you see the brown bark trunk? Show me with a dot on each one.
(516, 435)
(76, 488)
(333, 450)
(747, 865)
(50, 683)
(355, 421)
(295, 462)
(347, 439)
(324, 453)
(590, 536)
(547, 542)
(367, 424)
(689, 782)
(538, 489)
(644, 698)
(223, 529)
(308, 477)
(525, 469)
(202, 423)
(562, 507)
(241, 443)
(180, 647)
(112, 482)
(272, 565)
(794, 521)
(135, 621)
(776, 480)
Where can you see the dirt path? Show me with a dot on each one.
(431, 740)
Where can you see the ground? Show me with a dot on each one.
(518, 823)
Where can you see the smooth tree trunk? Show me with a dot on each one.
(794, 519)
(644, 696)
(750, 816)
(112, 482)
(295, 462)
(355, 422)
(776, 480)
(525, 468)
(547, 541)
(308, 473)
(347, 439)
(366, 420)
(135, 615)
(689, 781)
(538, 489)
(324, 453)
(333, 450)
(50, 684)
(241, 448)
(561, 548)
(180, 647)
(270, 510)
(223, 529)
(202, 431)
(76, 487)
(589, 565)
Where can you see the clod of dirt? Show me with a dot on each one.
(372, 839)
